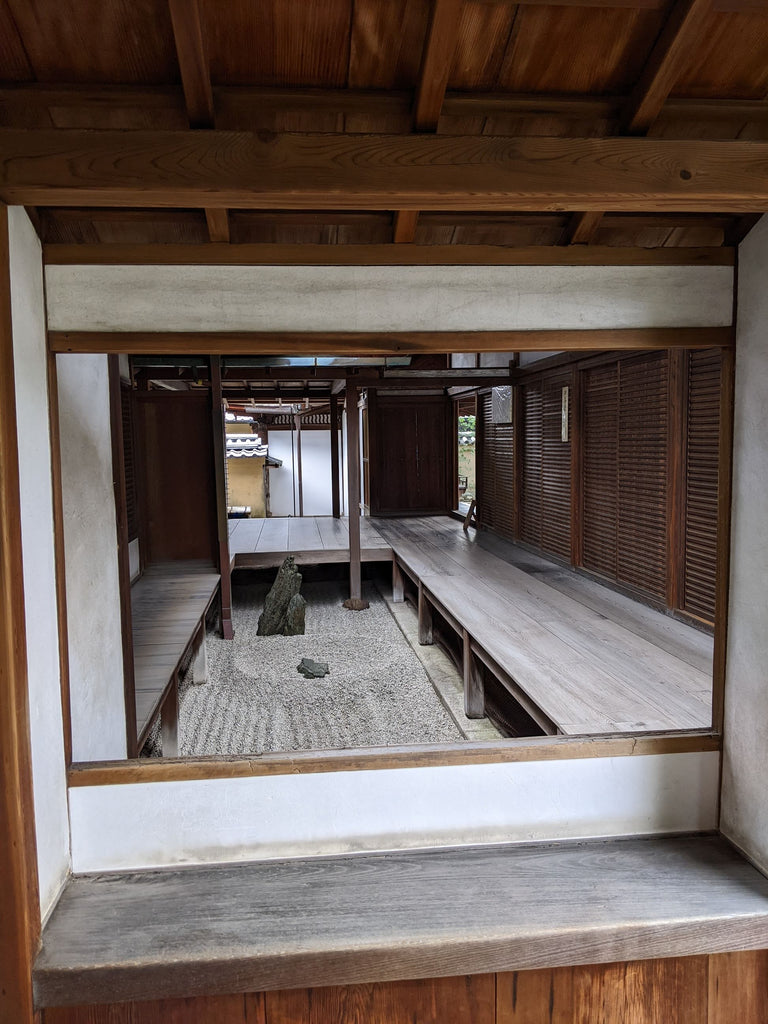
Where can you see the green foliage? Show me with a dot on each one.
(467, 424)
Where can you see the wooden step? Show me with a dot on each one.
(379, 917)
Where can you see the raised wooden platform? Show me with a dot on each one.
(576, 664)
(168, 607)
(312, 540)
(343, 920)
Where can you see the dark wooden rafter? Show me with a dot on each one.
(439, 48)
(192, 55)
(683, 30)
(382, 172)
(582, 228)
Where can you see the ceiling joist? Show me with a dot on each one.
(387, 172)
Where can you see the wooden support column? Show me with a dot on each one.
(676, 472)
(474, 687)
(398, 588)
(335, 489)
(169, 719)
(123, 562)
(724, 499)
(19, 898)
(299, 476)
(220, 476)
(355, 601)
(425, 618)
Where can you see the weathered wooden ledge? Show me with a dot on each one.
(344, 920)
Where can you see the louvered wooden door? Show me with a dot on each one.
(545, 507)
(496, 495)
(625, 472)
(701, 483)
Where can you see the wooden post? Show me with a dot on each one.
(355, 601)
(299, 478)
(19, 897)
(123, 563)
(398, 590)
(474, 688)
(169, 719)
(219, 469)
(724, 501)
(677, 428)
(425, 618)
(335, 490)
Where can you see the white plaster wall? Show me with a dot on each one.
(177, 823)
(90, 544)
(174, 298)
(40, 606)
(745, 756)
(315, 473)
(134, 558)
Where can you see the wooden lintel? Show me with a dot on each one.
(382, 255)
(682, 32)
(358, 343)
(207, 169)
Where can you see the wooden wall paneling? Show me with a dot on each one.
(517, 459)
(179, 515)
(19, 897)
(58, 544)
(123, 563)
(218, 478)
(234, 1009)
(353, 496)
(642, 992)
(555, 467)
(724, 495)
(703, 399)
(532, 448)
(129, 460)
(676, 475)
(456, 1000)
(535, 997)
(738, 988)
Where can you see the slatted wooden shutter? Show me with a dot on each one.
(701, 483)
(546, 497)
(129, 462)
(600, 457)
(642, 469)
(496, 490)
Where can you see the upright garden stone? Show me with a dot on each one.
(274, 620)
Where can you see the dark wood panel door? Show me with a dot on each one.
(411, 448)
(176, 473)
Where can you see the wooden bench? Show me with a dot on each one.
(169, 604)
(570, 669)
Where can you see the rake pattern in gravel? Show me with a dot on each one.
(377, 692)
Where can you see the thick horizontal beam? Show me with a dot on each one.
(391, 172)
(381, 255)
(360, 343)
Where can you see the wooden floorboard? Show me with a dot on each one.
(587, 672)
(312, 540)
(343, 920)
(167, 604)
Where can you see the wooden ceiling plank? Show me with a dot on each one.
(582, 227)
(405, 225)
(380, 255)
(360, 343)
(218, 225)
(395, 172)
(683, 30)
(439, 51)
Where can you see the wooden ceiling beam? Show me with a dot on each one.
(439, 50)
(381, 255)
(361, 343)
(388, 172)
(192, 54)
(683, 30)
